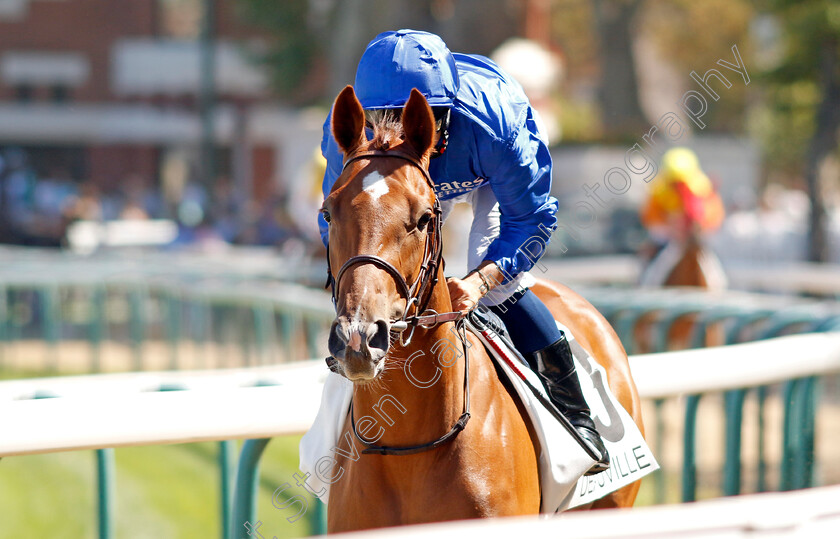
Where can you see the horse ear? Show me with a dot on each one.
(348, 121)
(418, 123)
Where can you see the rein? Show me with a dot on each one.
(418, 294)
(448, 437)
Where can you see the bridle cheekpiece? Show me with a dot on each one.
(419, 293)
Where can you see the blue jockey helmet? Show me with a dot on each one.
(396, 62)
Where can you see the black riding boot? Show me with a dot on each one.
(556, 367)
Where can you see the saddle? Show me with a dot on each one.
(491, 330)
(563, 456)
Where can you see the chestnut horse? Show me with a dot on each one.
(384, 236)
(684, 262)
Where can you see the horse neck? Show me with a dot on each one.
(693, 242)
(426, 379)
(688, 271)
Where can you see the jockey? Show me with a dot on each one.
(682, 199)
(681, 207)
(491, 154)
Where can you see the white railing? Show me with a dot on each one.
(734, 366)
(116, 410)
(805, 513)
(112, 410)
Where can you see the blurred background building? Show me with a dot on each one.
(208, 113)
(139, 109)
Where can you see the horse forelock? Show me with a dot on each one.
(388, 134)
(387, 129)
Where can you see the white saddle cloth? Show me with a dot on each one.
(561, 468)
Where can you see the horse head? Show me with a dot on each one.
(383, 230)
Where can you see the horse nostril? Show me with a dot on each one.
(380, 338)
(338, 340)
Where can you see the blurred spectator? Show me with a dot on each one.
(137, 203)
(224, 210)
(86, 206)
(37, 210)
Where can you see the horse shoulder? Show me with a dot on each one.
(499, 446)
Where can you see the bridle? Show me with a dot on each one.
(419, 293)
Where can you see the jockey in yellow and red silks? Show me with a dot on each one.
(682, 199)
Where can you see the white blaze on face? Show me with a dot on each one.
(374, 184)
(355, 329)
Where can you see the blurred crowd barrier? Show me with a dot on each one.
(157, 310)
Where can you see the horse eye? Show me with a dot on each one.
(424, 220)
(326, 215)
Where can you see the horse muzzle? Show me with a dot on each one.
(358, 349)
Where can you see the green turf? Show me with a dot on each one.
(161, 492)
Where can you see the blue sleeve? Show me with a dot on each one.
(521, 181)
(335, 159)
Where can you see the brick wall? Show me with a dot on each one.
(85, 26)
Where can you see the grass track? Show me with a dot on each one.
(162, 492)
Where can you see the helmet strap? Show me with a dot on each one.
(443, 140)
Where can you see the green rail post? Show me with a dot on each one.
(105, 483)
(789, 395)
(806, 462)
(4, 321)
(264, 326)
(732, 464)
(666, 320)
(196, 326)
(97, 326)
(625, 324)
(797, 455)
(287, 333)
(761, 480)
(137, 323)
(733, 334)
(173, 327)
(706, 319)
(15, 324)
(689, 472)
(214, 339)
(206, 328)
(659, 476)
(245, 340)
(227, 464)
(313, 329)
(52, 324)
(319, 518)
(247, 483)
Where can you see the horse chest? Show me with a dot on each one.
(455, 482)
